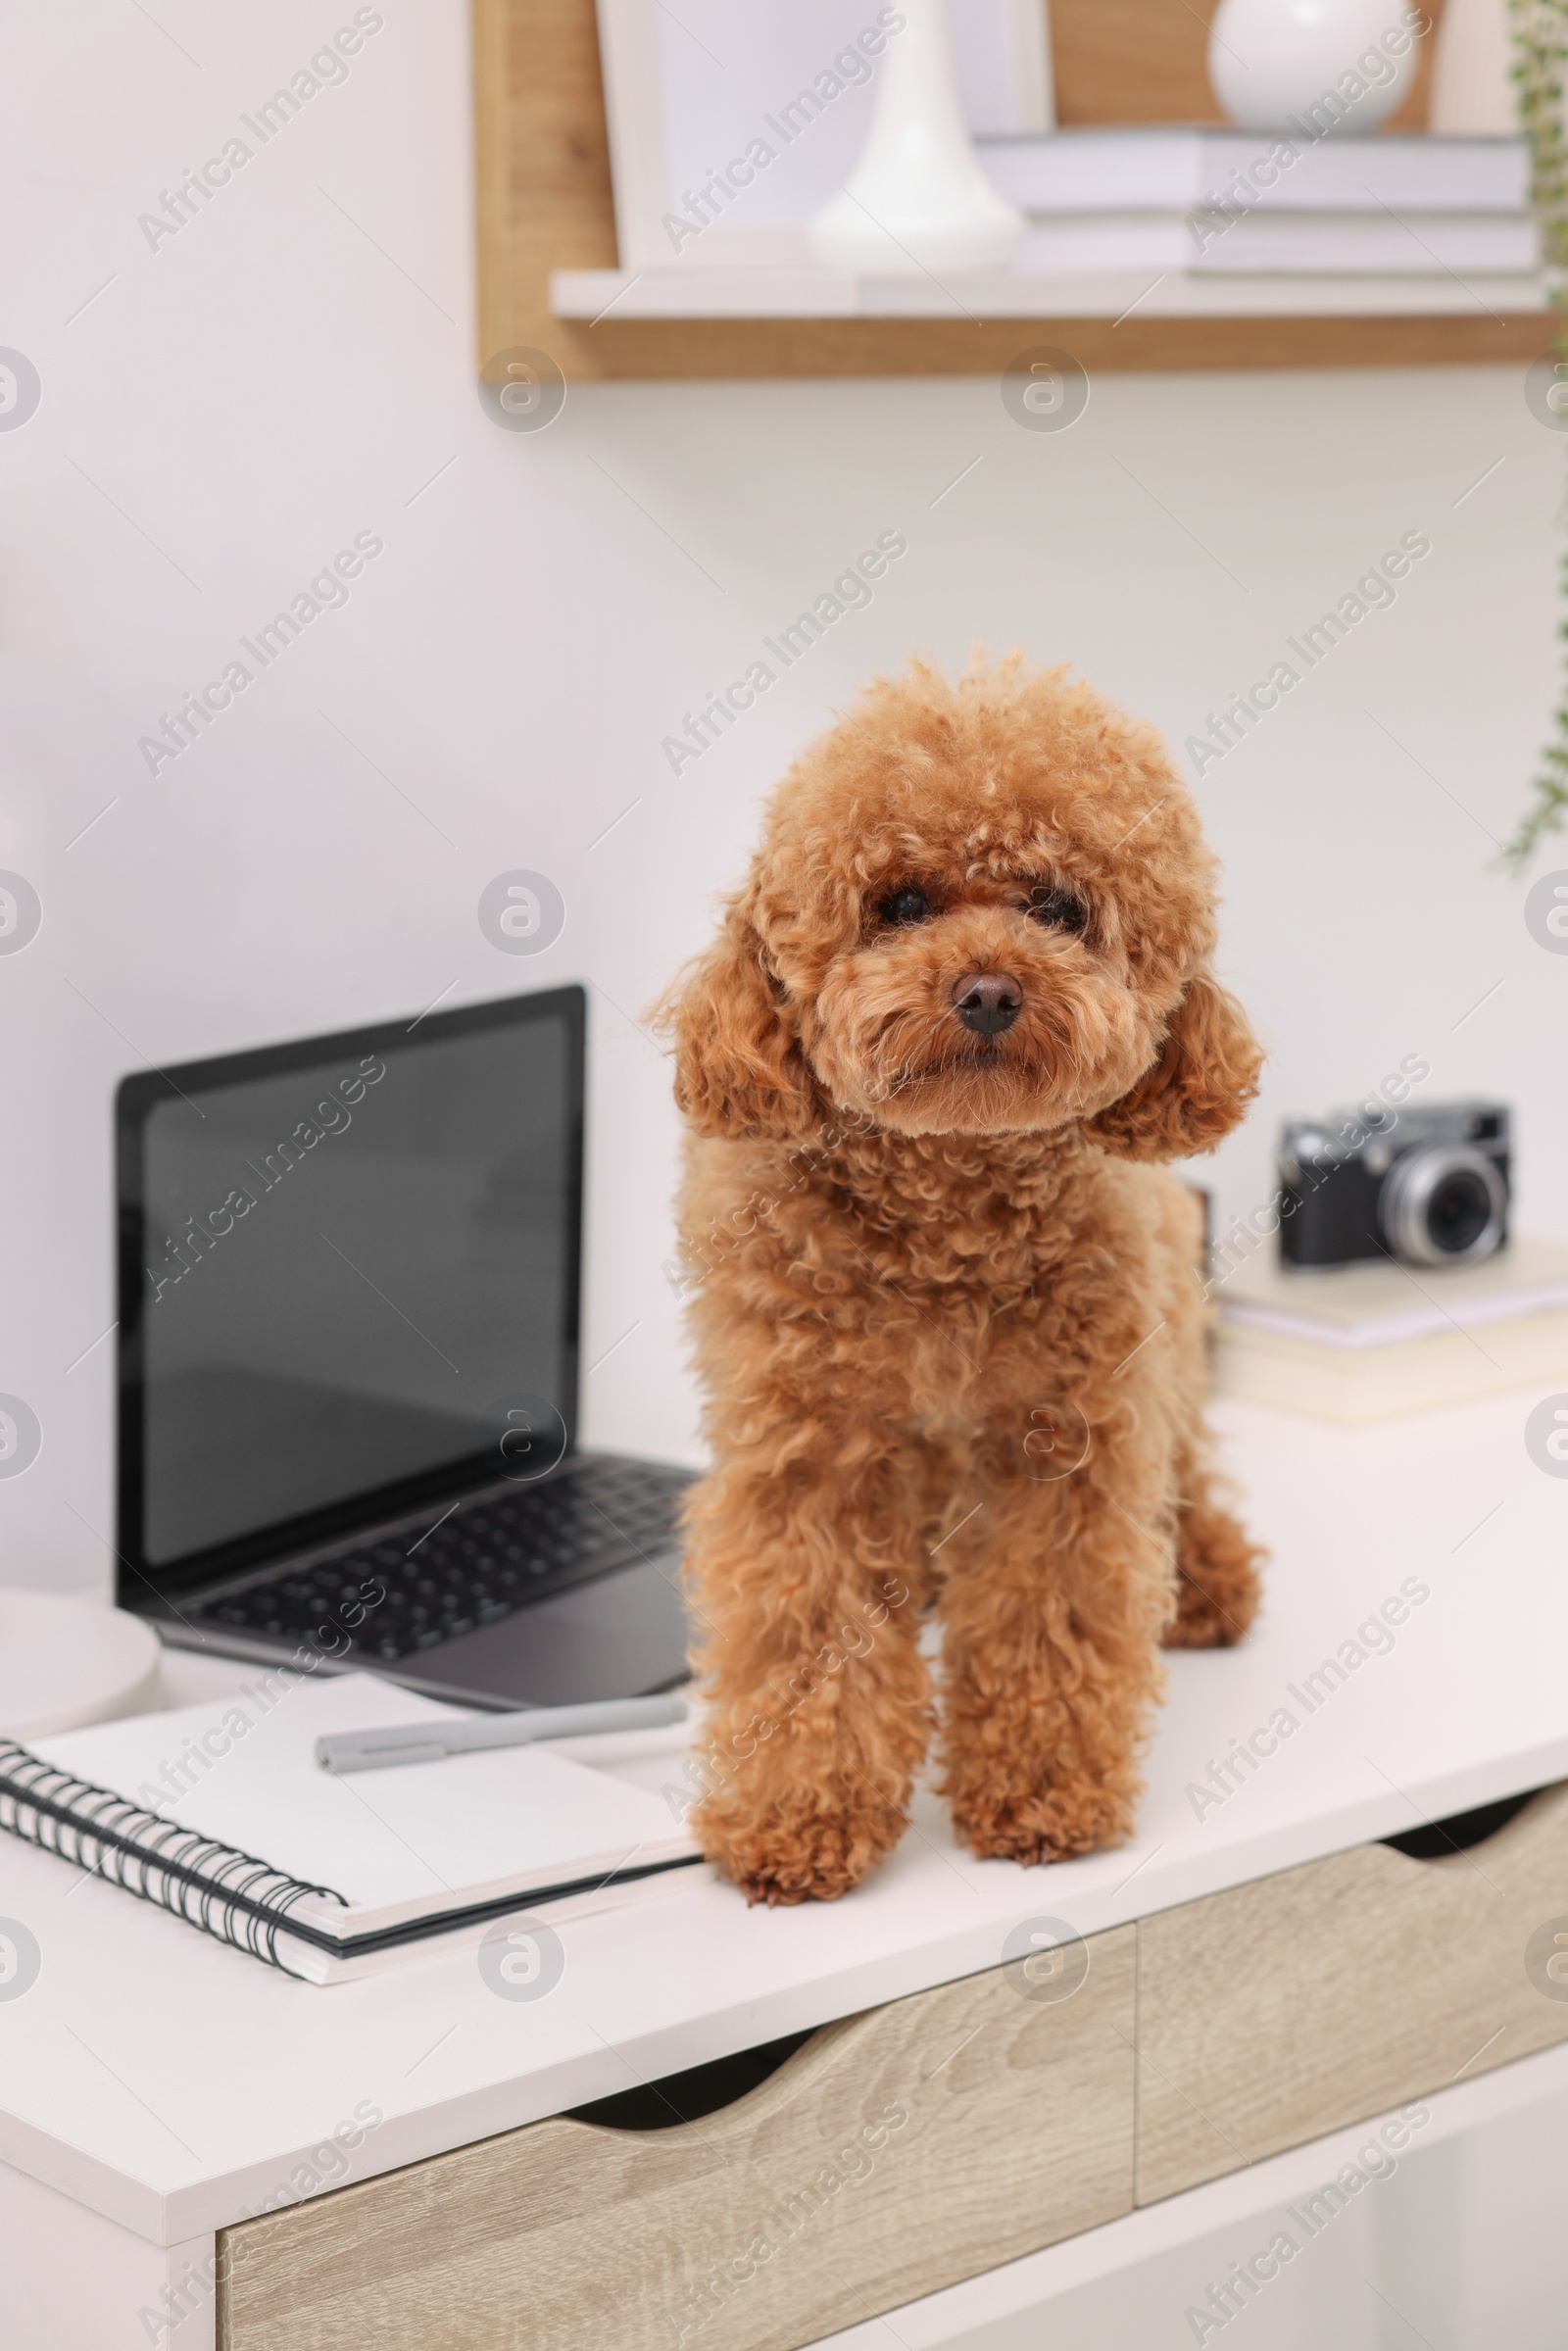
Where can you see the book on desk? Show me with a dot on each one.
(1368, 1340)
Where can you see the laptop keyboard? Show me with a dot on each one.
(476, 1564)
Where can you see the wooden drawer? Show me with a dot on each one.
(1288, 2008)
(894, 2153)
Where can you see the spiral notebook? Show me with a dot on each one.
(220, 1814)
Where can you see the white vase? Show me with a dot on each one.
(917, 198)
(1317, 66)
(1472, 88)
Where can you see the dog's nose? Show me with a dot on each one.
(986, 1001)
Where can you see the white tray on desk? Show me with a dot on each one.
(65, 1662)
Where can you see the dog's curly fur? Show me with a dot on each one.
(947, 1311)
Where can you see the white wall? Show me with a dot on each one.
(298, 364)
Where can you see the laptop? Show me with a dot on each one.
(349, 1283)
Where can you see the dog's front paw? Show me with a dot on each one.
(798, 1854)
(1049, 1824)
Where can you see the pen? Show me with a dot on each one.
(433, 1742)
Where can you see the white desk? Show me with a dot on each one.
(171, 2087)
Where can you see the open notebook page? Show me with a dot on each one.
(412, 1841)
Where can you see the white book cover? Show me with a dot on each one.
(1427, 243)
(1380, 1304)
(1168, 168)
(1306, 243)
(417, 1842)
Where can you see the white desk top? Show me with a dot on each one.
(174, 2084)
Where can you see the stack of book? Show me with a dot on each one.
(1220, 202)
(1361, 1343)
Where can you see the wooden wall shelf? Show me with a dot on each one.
(546, 212)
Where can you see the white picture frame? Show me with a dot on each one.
(689, 84)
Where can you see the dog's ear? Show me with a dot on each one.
(1197, 1089)
(739, 1069)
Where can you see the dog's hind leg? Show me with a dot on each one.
(1216, 1565)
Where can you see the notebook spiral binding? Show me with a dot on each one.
(228, 1894)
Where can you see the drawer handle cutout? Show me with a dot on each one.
(1460, 1831)
(686, 2097)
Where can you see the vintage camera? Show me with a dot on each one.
(1429, 1187)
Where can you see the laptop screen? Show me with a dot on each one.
(348, 1281)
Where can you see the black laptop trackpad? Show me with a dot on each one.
(620, 1636)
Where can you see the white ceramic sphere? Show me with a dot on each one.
(1271, 59)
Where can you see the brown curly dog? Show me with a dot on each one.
(948, 1317)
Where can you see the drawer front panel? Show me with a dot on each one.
(1284, 2009)
(895, 2153)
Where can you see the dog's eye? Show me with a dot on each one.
(905, 906)
(1058, 909)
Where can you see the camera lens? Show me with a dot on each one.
(1442, 1206)
(1458, 1212)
